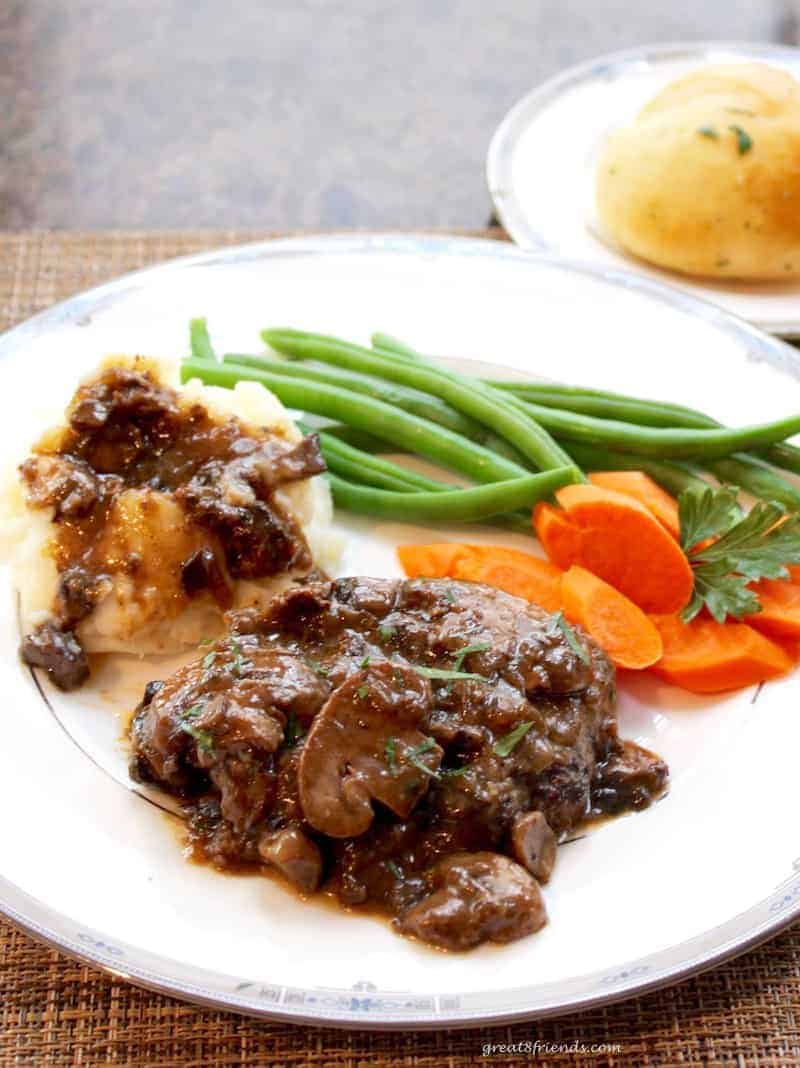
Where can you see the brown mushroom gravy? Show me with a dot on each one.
(418, 747)
(135, 466)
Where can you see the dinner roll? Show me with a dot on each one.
(706, 180)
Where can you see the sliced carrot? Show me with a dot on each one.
(794, 572)
(643, 489)
(514, 571)
(560, 539)
(613, 620)
(511, 570)
(780, 609)
(430, 561)
(622, 543)
(709, 657)
(791, 648)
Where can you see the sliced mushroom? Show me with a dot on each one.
(294, 855)
(629, 778)
(534, 844)
(365, 745)
(476, 897)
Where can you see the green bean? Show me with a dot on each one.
(388, 343)
(359, 439)
(354, 472)
(408, 431)
(374, 469)
(635, 410)
(605, 405)
(587, 401)
(199, 340)
(338, 433)
(740, 469)
(410, 400)
(661, 442)
(470, 397)
(757, 478)
(608, 405)
(356, 466)
(674, 478)
(784, 455)
(461, 506)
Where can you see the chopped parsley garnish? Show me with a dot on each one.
(203, 739)
(743, 139)
(747, 547)
(362, 691)
(444, 673)
(240, 665)
(449, 595)
(570, 637)
(413, 757)
(504, 746)
(423, 747)
(292, 732)
(708, 131)
(317, 667)
(391, 753)
(386, 632)
(478, 647)
(453, 773)
(393, 868)
(364, 663)
(208, 661)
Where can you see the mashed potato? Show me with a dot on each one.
(146, 610)
(706, 180)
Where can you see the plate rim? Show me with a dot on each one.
(504, 140)
(766, 918)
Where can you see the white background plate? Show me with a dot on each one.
(541, 165)
(92, 867)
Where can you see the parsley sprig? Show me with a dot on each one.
(558, 623)
(413, 755)
(462, 654)
(204, 740)
(445, 673)
(746, 547)
(506, 745)
(239, 663)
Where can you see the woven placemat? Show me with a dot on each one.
(56, 1012)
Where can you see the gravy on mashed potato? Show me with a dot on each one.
(152, 514)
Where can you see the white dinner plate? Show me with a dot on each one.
(542, 158)
(92, 867)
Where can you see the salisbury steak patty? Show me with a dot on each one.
(397, 742)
